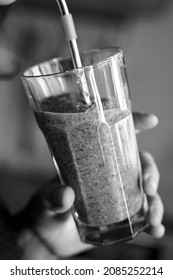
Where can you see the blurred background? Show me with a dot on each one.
(32, 31)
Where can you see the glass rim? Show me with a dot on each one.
(114, 51)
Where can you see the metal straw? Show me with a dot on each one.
(70, 35)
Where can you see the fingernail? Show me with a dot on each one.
(155, 119)
(151, 182)
(151, 185)
(155, 218)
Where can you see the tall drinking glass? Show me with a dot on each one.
(93, 145)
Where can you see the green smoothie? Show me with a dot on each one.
(98, 160)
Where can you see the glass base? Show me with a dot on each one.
(117, 232)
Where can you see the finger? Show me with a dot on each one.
(155, 211)
(144, 121)
(157, 232)
(150, 173)
(57, 198)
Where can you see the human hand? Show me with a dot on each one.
(49, 230)
(55, 234)
(151, 177)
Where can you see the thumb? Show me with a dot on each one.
(57, 198)
(52, 200)
(144, 121)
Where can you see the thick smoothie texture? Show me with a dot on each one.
(98, 160)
